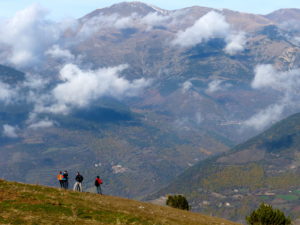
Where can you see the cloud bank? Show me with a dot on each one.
(27, 35)
(7, 93)
(235, 43)
(58, 53)
(41, 124)
(28, 38)
(10, 131)
(78, 88)
(92, 25)
(265, 117)
(211, 25)
(217, 85)
(287, 83)
(186, 86)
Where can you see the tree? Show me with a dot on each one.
(178, 201)
(266, 215)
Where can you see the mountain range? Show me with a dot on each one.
(138, 94)
(263, 169)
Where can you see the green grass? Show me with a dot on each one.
(288, 197)
(32, 204)
(264, 197)
(250, 176)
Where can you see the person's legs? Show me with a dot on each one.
(75, 186)
(80, 186)
(61, 184)
(98, 189)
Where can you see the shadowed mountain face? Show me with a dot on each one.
(150, 98)
(265, 168)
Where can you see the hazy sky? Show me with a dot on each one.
(77, 8)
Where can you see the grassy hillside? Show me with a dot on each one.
(33, 204)
(265, 168)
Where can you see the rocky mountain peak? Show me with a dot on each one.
(128, 8)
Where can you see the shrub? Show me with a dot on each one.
(178, 201)
(266, 215)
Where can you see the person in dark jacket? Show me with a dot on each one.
(65, 179)
(98, 183)
(78, 183)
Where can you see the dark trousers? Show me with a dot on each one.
(61, 183)
(99, 191)
(65, 184)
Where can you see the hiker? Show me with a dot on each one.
(60, 179)
(65, 180)
(78, 185)
(98, 183)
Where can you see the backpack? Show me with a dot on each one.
(59, 177)
(98, 182)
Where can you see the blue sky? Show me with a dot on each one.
(77, 8)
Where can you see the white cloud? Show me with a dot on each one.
(125, 22)
(27, 35)
(35, 82)
(214, 86)
(57, 52)
(93, 25)
(41, 124)
(186, 86)
(287, 83)
(290, 25)
(266, 76)
(80, 87)
(217, 85)
(265, 117)
(7, 93)
(10, 131)
(211, 25)
(235, 43)
(154, 19)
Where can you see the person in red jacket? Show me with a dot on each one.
(98, 183)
